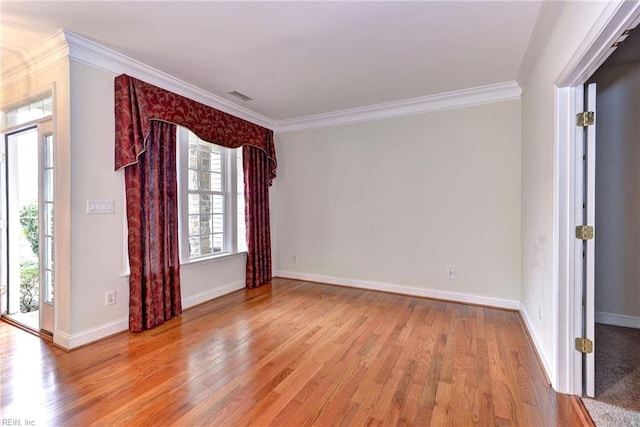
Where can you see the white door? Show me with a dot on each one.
(27, 241)
(585, 215)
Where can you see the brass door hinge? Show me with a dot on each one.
(584, 232)
(584, 345)
(588, 118)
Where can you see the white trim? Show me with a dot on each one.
(69, 342)
(66, 44)
(566, 319)
(211, 294)
(544, 357)
(507, 91)
(210, 260)
(406, 290)
(614, 319)
(94, 55)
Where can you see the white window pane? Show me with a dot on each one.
(193, 157)
(241, 226)
(48, 185)
(216, 181)
(48, 151)
(48, 218)
(48, 105)
(194, 204)
(204, 158)
(204, 181)
(218, 203)
(218, 223)
(48, 283)
(193, 180)
(217, 243)
(48, 248)
(216, 162)
(194, 246)
(205, 224)
(206, 168)
(205, 245)
(205, 203)
(194, 225)
(26, 113)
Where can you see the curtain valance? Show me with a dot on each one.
(137, 103)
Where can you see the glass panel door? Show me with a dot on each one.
(23, 240)
(28, 173)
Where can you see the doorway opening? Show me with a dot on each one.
(617, 243)
(571, 298)
(27, 216)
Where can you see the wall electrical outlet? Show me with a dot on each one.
(451, 272)
(110, 298)
(294, 259)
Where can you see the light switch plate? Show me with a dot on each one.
(99, 206)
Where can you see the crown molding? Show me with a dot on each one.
(65, 45)
(506, 91)
(43, 55)
(94, 55)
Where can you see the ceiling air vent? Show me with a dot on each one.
(239, 95)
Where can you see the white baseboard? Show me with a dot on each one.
(69, 342)
(544, 357)
(618, 319)
(407, 290)
(196, 299)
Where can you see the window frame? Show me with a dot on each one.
(230, 195)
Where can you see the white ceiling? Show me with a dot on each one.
(297, 59)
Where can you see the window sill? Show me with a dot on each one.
(203, 261)
(211, 260)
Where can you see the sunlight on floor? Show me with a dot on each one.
(30, 319)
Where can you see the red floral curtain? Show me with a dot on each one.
(256, 194)
(138, 108)
(138, 103)
(152, 217)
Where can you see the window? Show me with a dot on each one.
(47, 234)
(27, 113)
(211, 198)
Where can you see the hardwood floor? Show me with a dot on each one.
(292, 354)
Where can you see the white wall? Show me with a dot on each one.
(617, 266)
(539, 282)
(97, 240)
(390, 204)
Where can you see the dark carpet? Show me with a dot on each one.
(618, 366)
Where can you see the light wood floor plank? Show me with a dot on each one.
(293, 354)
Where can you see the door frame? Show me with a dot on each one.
(47, 309)
(593, 51)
